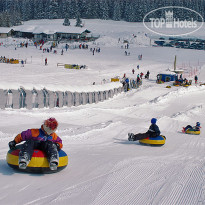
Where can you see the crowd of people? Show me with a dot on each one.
(182, 81)
(3, 59)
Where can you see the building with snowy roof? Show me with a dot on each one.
(6, 32)
(49, 30)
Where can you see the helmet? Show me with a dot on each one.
(153, 120)
(198, 124)
(50, 125)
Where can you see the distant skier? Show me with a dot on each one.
(152, 132)
(133, 71)
(44, 139)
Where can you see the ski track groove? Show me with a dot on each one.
(177, 188)
(128, 185)
(143, 181)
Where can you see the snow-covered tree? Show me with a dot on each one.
(78, 22)
(6, 19)
(53, 9)
(66, 21)
(117, 11)
(129, 10)
(103, 9)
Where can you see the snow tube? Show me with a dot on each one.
(38, 163)
(192, 132)
(154, 141)
(168, 86)
(186, 85)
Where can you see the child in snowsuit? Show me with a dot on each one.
(44, 139)
(152, 132)
(194, 128)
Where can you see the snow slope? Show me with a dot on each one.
(104, 167)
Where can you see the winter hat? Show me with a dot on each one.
(198, 124)
(50, 125)
(153, 120)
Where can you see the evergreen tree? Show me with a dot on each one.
(128, 10)
(116, 11)
(78, 22)
(74, 13)
(1, 20)
(103, 9)
(15, 19)
(40, 10)
(66, 21)
(53, 9)
(93, 9)
(6, 19)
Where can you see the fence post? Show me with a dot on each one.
(65, 99)
(9, 99)
(22, 98)
(46, 98)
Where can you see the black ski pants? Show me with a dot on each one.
(48, 147)
(141, 136)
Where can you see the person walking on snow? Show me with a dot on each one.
(46, 61)
(44, 139)
(196, 79)
(148, 74)
(152, 132)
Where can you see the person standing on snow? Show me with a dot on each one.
(152, 132)
(44, 139)
(148, 74)
(46, 61)
(196, 79)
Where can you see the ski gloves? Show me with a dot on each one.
(12, 144)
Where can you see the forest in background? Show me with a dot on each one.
(12, 12)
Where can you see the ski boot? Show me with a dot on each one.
(130, 136)
(23, 160)
(53, 163)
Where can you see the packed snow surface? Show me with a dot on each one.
(104, 167)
